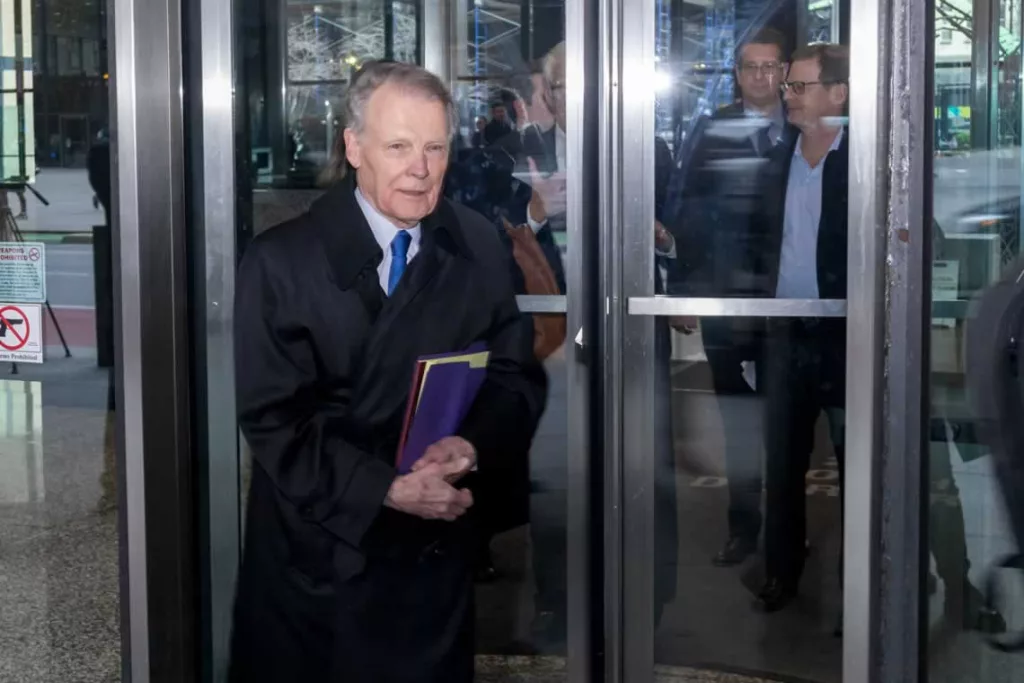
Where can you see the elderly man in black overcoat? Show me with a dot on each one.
(351, 571)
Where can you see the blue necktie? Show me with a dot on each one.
(399, 257)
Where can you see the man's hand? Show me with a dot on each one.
(548, 198)
(662, 237)
(425, 494)
(454, 453)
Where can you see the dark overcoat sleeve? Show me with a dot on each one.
(503, 419)
(302, 449)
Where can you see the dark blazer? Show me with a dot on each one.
(324, 363)
(710, 204)
(539, 145)
(769, 218)
(826, 335)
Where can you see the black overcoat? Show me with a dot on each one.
(334, 587)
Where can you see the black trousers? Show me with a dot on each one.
(743, 468)
(804, 376)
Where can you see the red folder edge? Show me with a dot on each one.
(410, 408)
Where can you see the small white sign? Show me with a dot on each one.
(945, 287)
(21, 333)
(23, 272)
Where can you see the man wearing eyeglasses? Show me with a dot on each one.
(802, 223)
(717, 188)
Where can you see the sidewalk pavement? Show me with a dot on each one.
(70, 216)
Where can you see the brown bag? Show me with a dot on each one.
(548, 328)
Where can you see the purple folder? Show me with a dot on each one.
(443, 390)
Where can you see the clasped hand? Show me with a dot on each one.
(428, 491)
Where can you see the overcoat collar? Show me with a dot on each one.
(349, 241)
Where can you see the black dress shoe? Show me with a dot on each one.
(774, 596)
(735, 551)
(970, 610)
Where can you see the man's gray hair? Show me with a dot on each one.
(372, 76)
(409, 77)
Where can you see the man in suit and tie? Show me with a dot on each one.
(351, 571)
(801, 223)
(717, 189)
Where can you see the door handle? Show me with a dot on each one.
(580, 349)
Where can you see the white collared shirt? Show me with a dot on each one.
(384, 232)
(798, 260)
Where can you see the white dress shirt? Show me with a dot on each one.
(384, 232)
(798, 260)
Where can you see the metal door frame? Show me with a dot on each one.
(156, 514)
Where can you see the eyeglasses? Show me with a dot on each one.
(766, 69)
(798, 87)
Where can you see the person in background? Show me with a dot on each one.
(501, 123)
(477, 140)
(351, 571)
(801, 224)
(97, 162)
(98, 168)
(716, 189)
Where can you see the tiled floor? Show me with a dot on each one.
(59, 606)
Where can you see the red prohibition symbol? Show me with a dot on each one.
(14, 329)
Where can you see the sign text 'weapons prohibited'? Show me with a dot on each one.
(23, 272)
(21, 333)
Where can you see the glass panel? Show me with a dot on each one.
(511, 93)
(511, 166)
(976, 238)
(59, 567)
(746, 421)
(520, 568)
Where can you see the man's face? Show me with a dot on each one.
(759, 74)
(555, 91)
(808, 101)
(401, 155)
(499, 114)
(537, 110)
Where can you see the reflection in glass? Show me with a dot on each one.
(976, 236)
(59, 569)
(508, 155)
(509, 163)
(753, 196)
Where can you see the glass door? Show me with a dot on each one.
(685, 513)
(738, 243)
(524, 155)
(975, 73)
